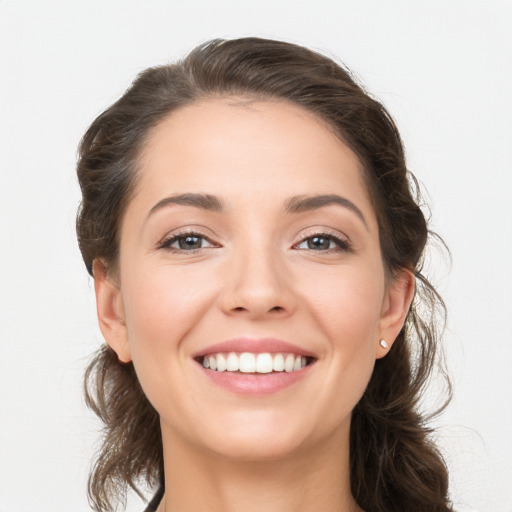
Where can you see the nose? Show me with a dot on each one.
(257, 285)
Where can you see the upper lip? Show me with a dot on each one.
(256, 346)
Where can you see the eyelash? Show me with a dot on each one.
(166, 243)
(343, 245)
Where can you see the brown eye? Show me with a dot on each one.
(319, 243)
(190, 242)
(186, 242)
(324, 242)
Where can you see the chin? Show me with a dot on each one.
(260, 437)
(257, 448)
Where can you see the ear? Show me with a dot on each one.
(109, 307)
(396, 304)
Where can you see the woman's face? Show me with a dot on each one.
(250, 232)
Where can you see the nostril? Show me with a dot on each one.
(277, 308)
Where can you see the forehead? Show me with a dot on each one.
(232, 147)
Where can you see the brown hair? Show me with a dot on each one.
(394, 464)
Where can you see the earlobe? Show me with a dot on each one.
(110, 311)
(398, 299)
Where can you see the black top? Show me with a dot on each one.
(157, 498)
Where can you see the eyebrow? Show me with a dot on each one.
(296, 204)
(203, 201)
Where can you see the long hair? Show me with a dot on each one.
(394, 465)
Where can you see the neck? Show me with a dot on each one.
(316, 479)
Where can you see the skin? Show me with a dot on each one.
(255, 276)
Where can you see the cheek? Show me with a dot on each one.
(161, 307)
(347, 303)
(347, 307)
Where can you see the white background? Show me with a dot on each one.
(443, 68)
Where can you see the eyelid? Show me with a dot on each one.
(343, 242)
(167, 240)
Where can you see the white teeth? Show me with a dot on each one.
(278, 363)
(221, 363)
(232, 362)
(289, 362)
(248, 362)
(264, 363)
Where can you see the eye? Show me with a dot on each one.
(186, 242)
(324, 242)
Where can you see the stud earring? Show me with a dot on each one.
(383, 344)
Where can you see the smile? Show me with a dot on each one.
(248, 362)
(255, 366)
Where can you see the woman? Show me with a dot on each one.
(256, 250)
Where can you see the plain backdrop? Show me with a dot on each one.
(444, 70)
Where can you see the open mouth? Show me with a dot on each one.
(248, 362)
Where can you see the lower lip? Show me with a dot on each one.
(255, 384)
